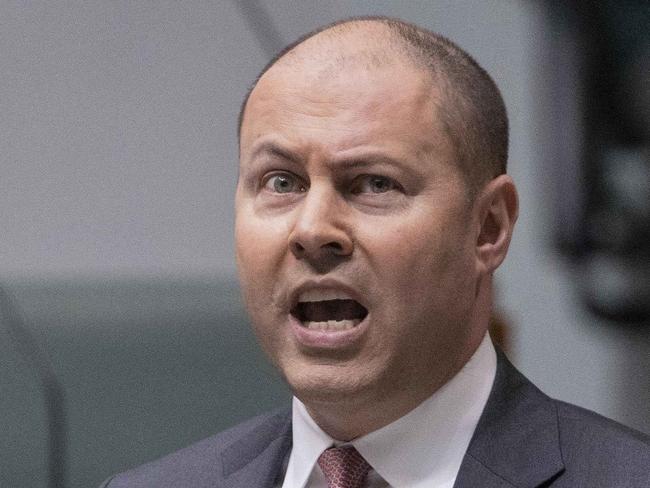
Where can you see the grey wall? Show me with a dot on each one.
(117, 135)
(118, 156)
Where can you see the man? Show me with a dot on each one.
(372, 210)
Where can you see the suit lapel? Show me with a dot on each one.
(257, 459)
(516, 443)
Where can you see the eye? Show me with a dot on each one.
(374, 184)
(283, 183)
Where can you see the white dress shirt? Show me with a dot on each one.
(422, 449)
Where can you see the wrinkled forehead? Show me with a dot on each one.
(343, 107)
(344, 92)
(337, 74)
(357, 52)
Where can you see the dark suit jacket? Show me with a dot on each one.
(523, 439)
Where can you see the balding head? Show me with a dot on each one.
(469, 105)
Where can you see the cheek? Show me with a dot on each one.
(404, 251)
(261, 248)
(419, 260)
(258, 243)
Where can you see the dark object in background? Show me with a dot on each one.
(610, 233)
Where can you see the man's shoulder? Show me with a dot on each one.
(576, 425)
(205, 462)
(526, 437)
(587, 437)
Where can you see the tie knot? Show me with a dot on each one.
(343, 467)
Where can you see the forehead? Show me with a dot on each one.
(343, 101)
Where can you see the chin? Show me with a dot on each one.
(329, 384)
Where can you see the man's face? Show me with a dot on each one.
(355, 238)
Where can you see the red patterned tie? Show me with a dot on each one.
(343, 467)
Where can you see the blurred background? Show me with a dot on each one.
(122, 334)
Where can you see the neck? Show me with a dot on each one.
(348, 420)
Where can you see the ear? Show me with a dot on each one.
(497, 209)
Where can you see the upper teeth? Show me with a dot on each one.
(319, 295)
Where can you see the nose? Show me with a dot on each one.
(319, 234)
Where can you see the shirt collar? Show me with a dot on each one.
(423, 448)
(309, 441)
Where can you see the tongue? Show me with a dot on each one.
(331, 310)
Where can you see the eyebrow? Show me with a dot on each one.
(362, 160)
(370, 159)
(274, 149)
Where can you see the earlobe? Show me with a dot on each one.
(499, 207)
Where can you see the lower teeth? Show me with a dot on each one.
(332, 325)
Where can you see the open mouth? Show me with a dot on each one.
(330, 315)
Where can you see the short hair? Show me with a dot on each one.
(472, 109)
